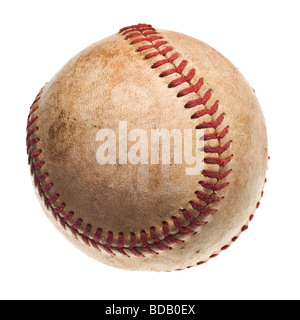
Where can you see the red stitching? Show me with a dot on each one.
(136, 35)
(168, 237)
(137, 27)
(77, 224)
(121, 244)
(32, 142)
(41, 177)
(107, 250)
(220, 162)
(30, 122)
(133, 246)
(189, 217)
(37, 166)
(189, 90)
(31, 132)
(59, 209)
(109, 239)
(216, 175)
(145, 244)
(156, 241)
(202, 209)
(200, 101)
(211, 124)
(215, 135)
(218, 150)
(182, 230)
(214, 187)
(66, 218)
(135, 30)
(207, 198)
(47, 187)
(97, 235)
(86, 234)
(181, 80)
(203, 112)
(53, 198)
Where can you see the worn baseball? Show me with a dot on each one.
(148, 150)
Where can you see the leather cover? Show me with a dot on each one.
(150, 217)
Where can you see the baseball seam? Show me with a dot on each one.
(137, 35)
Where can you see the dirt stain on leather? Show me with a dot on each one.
(60, 137)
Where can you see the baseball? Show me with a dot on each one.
(148, 150)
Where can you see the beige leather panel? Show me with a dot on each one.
(111, 82)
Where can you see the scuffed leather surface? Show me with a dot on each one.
(110, 82)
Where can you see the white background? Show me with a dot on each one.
(261, 38)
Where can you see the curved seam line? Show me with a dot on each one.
(74, 230)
